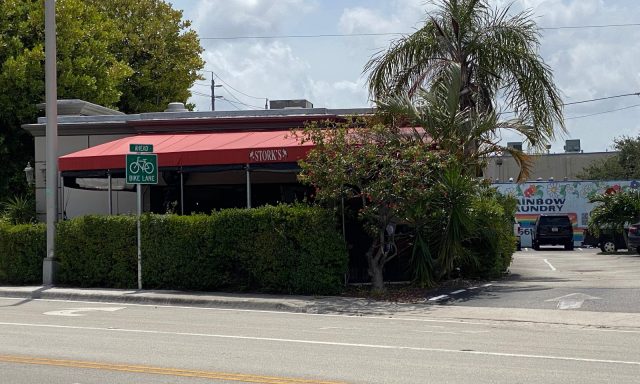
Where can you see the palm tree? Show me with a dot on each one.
(468, 134)
(614, 211)
(497, 56)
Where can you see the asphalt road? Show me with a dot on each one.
(507, 331)
(583, 279)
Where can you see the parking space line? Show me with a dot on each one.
(458, 291)
(580, 249)
(549, 264)
(436, 298)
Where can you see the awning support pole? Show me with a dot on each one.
(248, 187)
(181, 192)
(110, 197)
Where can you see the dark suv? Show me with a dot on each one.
(553, 230)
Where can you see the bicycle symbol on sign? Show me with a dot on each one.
(141, 165)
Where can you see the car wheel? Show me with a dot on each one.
(608, 247)
(536, 246)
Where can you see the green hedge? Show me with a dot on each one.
(269, 249)
(97, 251)
(494, 243)
(22, 249)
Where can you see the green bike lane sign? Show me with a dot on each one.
(142, 168)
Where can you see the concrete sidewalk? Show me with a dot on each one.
(329, 305)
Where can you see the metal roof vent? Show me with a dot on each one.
(176, 107)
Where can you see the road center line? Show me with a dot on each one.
(549, 264)
(331, 343)
(150, 370)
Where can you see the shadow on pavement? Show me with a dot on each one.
(34, 295)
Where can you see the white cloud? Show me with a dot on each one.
(214, 18)
(587, 63)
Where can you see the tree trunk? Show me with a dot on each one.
(377, 279)
(375, 267)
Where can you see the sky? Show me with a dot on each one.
(587, 62)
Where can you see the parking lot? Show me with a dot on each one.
(552, 278)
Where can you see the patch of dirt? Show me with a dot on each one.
(406, 293)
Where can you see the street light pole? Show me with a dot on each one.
(51, 187)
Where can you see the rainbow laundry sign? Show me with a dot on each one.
(566, 197)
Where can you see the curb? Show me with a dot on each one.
(155, 298)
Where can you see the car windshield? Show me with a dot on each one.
(551, 220)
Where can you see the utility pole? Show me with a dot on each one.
(213, 93)
(51, 184)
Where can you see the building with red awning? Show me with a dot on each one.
(206, 160)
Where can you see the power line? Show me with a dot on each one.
(322, 35)
(591, 100)
(227, 100)
(239, 101)
(232, 104)
(596, 26)
(602, 98)
(301, 36)
(602, 113)
(229, 85)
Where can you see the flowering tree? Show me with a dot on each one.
(388, 169)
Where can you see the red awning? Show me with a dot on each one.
(193, 149)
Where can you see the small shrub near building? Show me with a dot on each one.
(22, 249)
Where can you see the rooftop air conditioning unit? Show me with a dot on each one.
(572, 145)
(289, 104)
(515, 145)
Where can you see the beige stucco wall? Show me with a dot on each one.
(556, 165)
(77, 201)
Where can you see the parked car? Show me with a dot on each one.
(608, 241)
(634, 237)
(553, 230)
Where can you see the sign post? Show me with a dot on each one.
(142, 168)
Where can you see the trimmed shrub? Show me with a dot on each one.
(97, 251)
(493, 244)
(285, 249)
(22, 249)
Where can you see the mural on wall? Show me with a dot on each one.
(565, 197)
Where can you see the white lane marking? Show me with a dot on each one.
(580, 249)
(332, 343)
(436, 298)
(452, 332)
(342, 328)
(549, 264)
(470, 288)
(72, 312)
(281, 313)
(573, 300)
(487, 285)
(458, 291)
